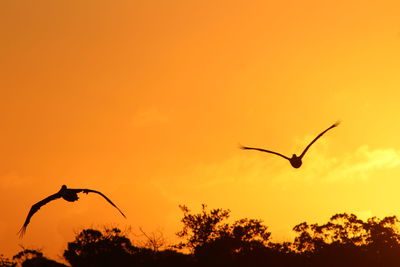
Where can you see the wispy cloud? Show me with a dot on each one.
(267, 187)
(363, 163)
(319, 167)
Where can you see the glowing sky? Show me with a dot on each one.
(147, 102)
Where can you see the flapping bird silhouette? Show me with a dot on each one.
(295, 160)
(68, 194)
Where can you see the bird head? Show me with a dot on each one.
(63, 187)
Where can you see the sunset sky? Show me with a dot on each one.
(148, 101)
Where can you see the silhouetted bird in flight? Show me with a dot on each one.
(68, 194)
(294, 160)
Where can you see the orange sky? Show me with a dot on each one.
(147, 102)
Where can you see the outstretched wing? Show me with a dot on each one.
(106, 198)
(264, 150)
(315, 139)
(34, 209)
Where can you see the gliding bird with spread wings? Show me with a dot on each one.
(295, 160)
(68, 194)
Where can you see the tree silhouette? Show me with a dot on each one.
(383, 240)
(217, 243)
(34, 258)
(6, 262)
(346, 240)
(154, 240)
(111, 247)
(200, 229)
(95, 248)
(209, 239)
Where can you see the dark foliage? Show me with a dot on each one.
(96, 248)
(34, 258)
(348, 241)
(208, 239)
(42, 262)
(112, 248)
(5, 262)
(217, 243)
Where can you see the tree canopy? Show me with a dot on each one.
(209, 238)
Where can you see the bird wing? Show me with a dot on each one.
(315, 139)
(264, 150)
(34, 209)
(106, 198)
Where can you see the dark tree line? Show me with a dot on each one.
(207, 239)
